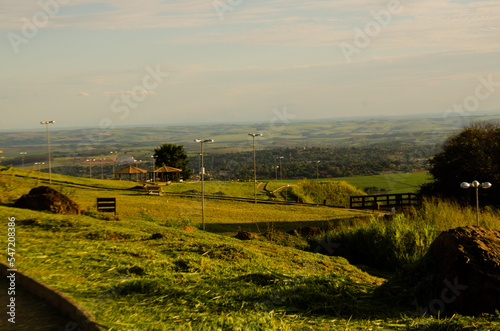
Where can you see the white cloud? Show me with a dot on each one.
(118, 93)
(423, 23)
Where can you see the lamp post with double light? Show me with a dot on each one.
(317, 169)
(48, 146)
(475, 184)
(202, 170)
(253, 135)
(39, 164)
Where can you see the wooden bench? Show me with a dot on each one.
(155, 189)
(106, 205)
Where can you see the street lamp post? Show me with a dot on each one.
(276, 171)
(153, 179)
(253, 135)
(203, 179)
(102, 170)
(90, 166)
(39, 165)
(114, 160)
(48, 146)
(281, 173)
(22, 157)
(475, 184)
(317, 169)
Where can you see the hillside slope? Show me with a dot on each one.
(140, 275)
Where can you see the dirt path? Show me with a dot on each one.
(32, 313)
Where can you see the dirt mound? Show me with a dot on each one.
(155, 236)
(244, 235)
(467, 266)
(46, 198)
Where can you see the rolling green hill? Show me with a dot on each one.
(152, 269)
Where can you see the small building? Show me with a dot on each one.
(130, 170)
(165, 174)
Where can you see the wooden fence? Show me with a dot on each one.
(384, 201)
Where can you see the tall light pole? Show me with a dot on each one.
(90, 166)
(48, 146)
(39, 165)
(153, 179)
(281, 173)
(276, 171)
(475, 184)
(102, 170)
(203, 179)
(22, 157)
(114, 160)
(317, 169)
(253, 135)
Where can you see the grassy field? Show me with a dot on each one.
(146, 271)
(133, 202)
(233, 137)
(392, 183)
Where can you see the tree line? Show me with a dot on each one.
(312, 162)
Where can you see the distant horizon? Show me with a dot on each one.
(54, 127)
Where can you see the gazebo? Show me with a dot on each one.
(129, 171)
(166, 173)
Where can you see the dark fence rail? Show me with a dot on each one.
(384, 201)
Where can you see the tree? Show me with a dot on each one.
(173, 156)
(473, 154)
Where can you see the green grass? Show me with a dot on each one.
(383, 245)
(392, 183)
(196, 280)
(404, 240)
(129, 281)
(334, 193)
(221, 188)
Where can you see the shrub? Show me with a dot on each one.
(383, 244)
(403, 240)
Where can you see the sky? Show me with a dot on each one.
(113, 63)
